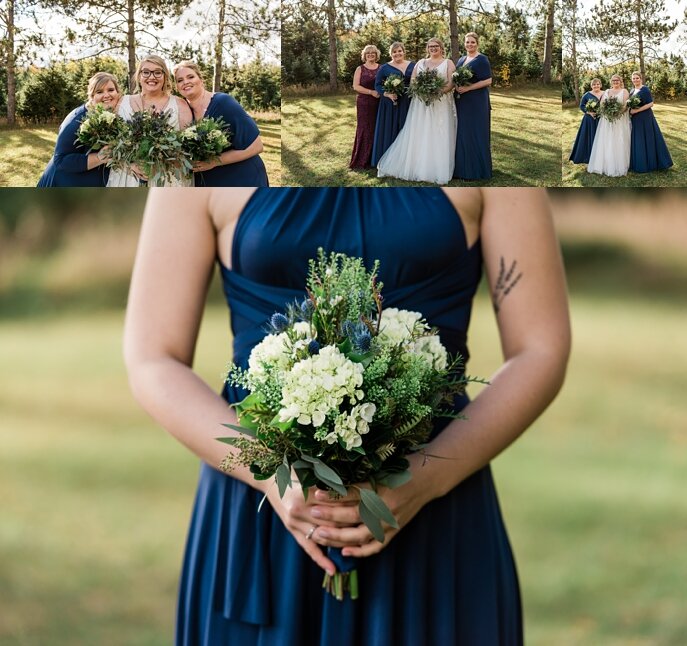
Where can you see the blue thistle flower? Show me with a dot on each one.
(348, 328)
(307, 308)
(313, 347)
(361, 342)
(279, 322)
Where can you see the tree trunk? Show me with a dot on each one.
(548, 43)
(453, 30)
(640, 39)
(11, 79)
(331, 34)
(219, 47)
(131, 45)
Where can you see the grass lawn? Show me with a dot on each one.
(26, 151)
(671, 119)
(319, 133)
(96, 499)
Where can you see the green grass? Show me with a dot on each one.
(96, 498)
(671, 119)
(27, 150)
(319, 133)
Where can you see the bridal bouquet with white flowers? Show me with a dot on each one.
(205, 140)
(633, 102)
(100, 128)
(393, 84)
(427, 86)
(592, 107)
(341, 391)
(611, 109)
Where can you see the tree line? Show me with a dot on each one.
(321, 41)
(109, 27)
(628, 35)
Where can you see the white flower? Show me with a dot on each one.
(431, 349)
(397, 326)
(108, 116)
(350, 426)
(189, 133)
(318, 385)
(274, 353)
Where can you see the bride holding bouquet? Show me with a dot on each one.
(425, 148)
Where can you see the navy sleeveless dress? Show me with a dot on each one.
(448, 577)
(648, 150)
(244, 131)
(582, 148)
(473, 134)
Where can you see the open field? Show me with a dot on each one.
(319, 133)
(96, 498)
(671, 118)
(26, 151)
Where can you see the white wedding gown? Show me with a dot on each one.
(611, 148)
(120, 177)
(425, 148)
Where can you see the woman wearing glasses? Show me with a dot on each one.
(424, 149)
(154, 85)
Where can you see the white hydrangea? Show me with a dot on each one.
(350, 426)
(189, 133)
(274, 353)
(108, 116)
(397, 329)
(397, 326)
(317, 385)
(431, 349)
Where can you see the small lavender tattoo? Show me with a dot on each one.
(505, 282)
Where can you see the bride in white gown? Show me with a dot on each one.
(611, 149)
(155, 93)
(425, 148)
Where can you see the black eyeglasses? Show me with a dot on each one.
(158, 74)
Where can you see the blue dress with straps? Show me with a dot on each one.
(448, 577)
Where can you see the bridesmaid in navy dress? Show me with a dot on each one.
(582, 148)
(648, 150)
(366, 104)
(473, 137)
(447, 576)
(72, 164)
(393, 109)
(240, 164)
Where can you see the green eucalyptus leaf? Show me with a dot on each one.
(283, 477)
(241, 429)
(393, 480)
(377, 506)
(371, 521)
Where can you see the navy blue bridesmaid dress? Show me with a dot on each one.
(244, 131)
(390, 117)
(69, 163)
(473, 136)
(582, 148)
(448, 577)
(648, 150)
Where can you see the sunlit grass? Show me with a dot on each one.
(671, 119)
(26, 151)
(319, 133)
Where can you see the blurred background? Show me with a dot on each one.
(96, 498)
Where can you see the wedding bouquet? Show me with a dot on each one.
(427, 86)
(393, 84)
(151, 142)
(592, 107)
(462, 76)
(100, 128)
(341, 391)
(633, 102)
(611, 109)
(205, 140)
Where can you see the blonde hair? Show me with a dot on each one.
(595, 81)
(396, 45)
(617, 76)
(192, 65)
(438, 42)
(370, 48)
(638, 74)
(472, 34)
(98, 81)
(159, 61)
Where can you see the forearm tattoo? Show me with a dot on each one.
(507, 279)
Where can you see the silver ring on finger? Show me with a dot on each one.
(311, 531)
